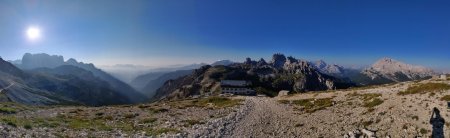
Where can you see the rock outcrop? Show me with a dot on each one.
(278, 60)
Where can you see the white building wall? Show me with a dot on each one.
(237, 90)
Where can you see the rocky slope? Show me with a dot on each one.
(61, 85)
(282, 73)
(12, 79)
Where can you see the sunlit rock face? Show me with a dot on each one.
(330, 69)
(397, 71)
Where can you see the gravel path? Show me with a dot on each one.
(257, 117)
(266, 118)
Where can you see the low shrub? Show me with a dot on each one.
(149, 120)
(372, 102)
(189, 123)
(446, 98)
(312, 105)
(7, 110)
(424, 88)
(220, 102)
(156, 132)
(423, 131)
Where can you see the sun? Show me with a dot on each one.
(33, 33)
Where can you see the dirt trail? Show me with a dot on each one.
(1, 90)
(265, 118)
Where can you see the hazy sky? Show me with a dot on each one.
(162, 32)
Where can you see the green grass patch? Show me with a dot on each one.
(372, 102)
(213, 102)
(367, 123)
(284, 101)
(159, 131)
(423, 131)
(158, 110)
(12, 108)
(130, 115)
(7, 110)
(370, 96)
(219, 102)
(446, 98)
(189, 123)
(148, 120)
(27, 126)
(10, 120)
(311, 105)
(53, 122)
(424, 88)
(79, 123)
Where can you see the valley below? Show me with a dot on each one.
(391, 110)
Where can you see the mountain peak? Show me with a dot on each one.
(392, 64)
(30, 61)
(278, 60)
(320, 64)
(390, 68)
(222, 62)
(332, 69)
(386, 60)
(72, 61)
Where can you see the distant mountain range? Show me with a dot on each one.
(42, 79)
(288, 73)
(150, 82)
(74, 81)
(128, 72)
(383, 71)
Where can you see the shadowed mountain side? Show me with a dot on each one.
(34, 61)
(61, 85)
(153, 85)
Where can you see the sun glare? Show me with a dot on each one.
(33, 33)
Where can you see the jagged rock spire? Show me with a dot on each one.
(278, 60)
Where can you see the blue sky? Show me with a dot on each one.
(163, 32)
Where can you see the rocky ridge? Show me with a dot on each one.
(282, 73)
